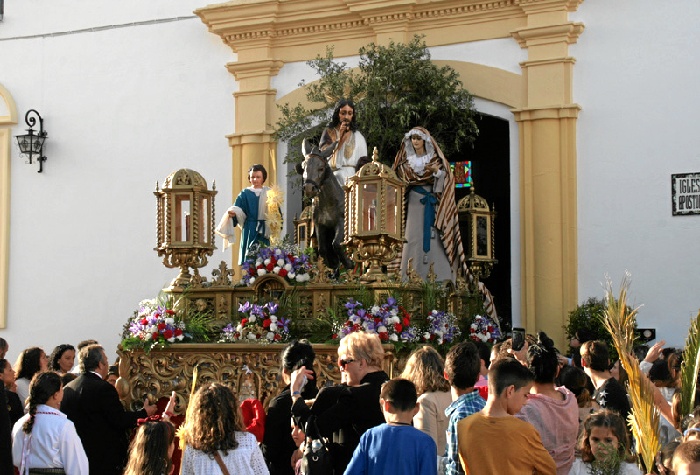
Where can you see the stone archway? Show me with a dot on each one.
(8, 117)
(266, 35)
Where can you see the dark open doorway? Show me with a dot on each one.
(490, 159)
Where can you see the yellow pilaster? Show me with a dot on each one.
(547, 123)
(8, 117)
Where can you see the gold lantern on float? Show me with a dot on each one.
(304, 226)
(374, 217)
(185, 223)
(479, 218)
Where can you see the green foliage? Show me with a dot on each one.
(397, 87)
(589, 317)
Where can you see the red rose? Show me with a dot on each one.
(178, 332)
(161, 327)
(384, 336)
(406, 321)
(251, 271)
(266, 323)
(348, 323)
(283, 272)
(144, 321)
(168, 334)
(244, 321)
(356, 327)
(334, 336)
(397, 327)
(155, 335)
(170, 312)
(260, 266)
(270, 266)
(377, 320)
(278, 337)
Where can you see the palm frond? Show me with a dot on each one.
(620, 321)
(689, 366)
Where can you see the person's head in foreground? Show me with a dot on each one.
(509, 384)
(686, 458)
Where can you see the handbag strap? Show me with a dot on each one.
(223, 468)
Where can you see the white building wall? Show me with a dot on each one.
(124, 106)
(147, 92)
(636, 78)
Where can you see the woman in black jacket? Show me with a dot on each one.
(343, 413)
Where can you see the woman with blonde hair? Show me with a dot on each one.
(215, 438)
(343, 413)
(425, 368)
(152, 449)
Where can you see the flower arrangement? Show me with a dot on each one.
(442, 328)
(483, 329)
(390, 321)
(259, 323)
(284, 261)
(153, 325)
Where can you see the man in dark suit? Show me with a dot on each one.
(99, 417)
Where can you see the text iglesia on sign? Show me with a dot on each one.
(685, 192)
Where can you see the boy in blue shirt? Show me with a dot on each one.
(396, 446)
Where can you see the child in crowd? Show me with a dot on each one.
(395, 446)
(604, 443)
(692, 432)
(493, 440)
(686, 458)
(152, 449)
(462, 366)
(609, 393)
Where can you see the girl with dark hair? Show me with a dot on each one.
(4, 347)
(62, 359)
(250, 212)
(552, 410)
(44, 438)
(604, 442)
(215, 437)
(152, 449)
(351, 146)
(7, 379)
(30, 362)
(278, 444)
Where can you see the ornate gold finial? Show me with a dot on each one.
(222, 275)
(157, 188)
(432, 276)
(412, 274)
(375, 155)
(323, 274)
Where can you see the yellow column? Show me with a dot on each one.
(253, 141)
(9, 118)
(547, 124)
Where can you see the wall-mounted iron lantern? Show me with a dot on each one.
(31, 145)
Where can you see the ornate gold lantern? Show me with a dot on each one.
(374, 217)
(479, 218)
(304, 227)
(185, 223)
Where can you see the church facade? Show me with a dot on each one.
(598, 98)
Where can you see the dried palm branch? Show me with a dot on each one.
(689, 366)
(181, 432)
(275, 199)
(620, 321)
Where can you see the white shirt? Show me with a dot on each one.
(582, 468)
(246, 459)
(23, 391)
(54, 442)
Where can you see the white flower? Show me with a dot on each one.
(280, 262)
(262, 272)
(258, 262)
(291, 275)
(153, 328)
(171, 339)
(278, 252)
(426, 335)
(273, 327)
(170, 321)
(287, 267)
(266, 261)
(251, 336)
(270, 336)
(381, 329)
(396, 320)
(147, 336)
(251, 281)
(239, 327)
(276, 270)
(375, 310)
(180, 337)
(394, 337)
(252, 318)
(273, 318)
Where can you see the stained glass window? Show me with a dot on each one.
(462, 172)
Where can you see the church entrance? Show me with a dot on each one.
(490, 165)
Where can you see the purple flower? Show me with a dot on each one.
(244, 307)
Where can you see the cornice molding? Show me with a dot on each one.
(251, 69)
(568, 111)
(568, 32)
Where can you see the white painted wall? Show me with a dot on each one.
(124, 107)
(636, 79)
